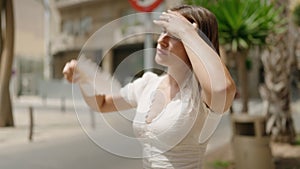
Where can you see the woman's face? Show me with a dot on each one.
(170, 51)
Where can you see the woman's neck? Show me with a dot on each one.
(177, 76)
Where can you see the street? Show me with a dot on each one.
(61, 143)
(77, 152)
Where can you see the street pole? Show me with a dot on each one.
(147, 6)
(47, 59)
(148, 44)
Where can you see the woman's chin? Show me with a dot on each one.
(160, 61)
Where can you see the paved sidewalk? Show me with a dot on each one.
(53, 125)
(285, 156)
(49, 122)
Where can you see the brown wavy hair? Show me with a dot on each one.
(205, 20)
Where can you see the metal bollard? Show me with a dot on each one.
(31, 123)
(62, 104)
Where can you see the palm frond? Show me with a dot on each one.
(245, 23)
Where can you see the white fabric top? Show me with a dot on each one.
(171, 140)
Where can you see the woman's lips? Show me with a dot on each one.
(161, 51)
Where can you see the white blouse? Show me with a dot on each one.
(171, 140)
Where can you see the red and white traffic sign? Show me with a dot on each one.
(145, 5)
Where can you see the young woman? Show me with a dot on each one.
(176, 113)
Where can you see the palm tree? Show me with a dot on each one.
(6, 59)
(243, 24)
(278, 63)
(296, 14)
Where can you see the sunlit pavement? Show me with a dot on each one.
(76, 152)
(60, 143)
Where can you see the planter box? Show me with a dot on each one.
(251, 145)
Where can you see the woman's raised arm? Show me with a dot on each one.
(218, 88)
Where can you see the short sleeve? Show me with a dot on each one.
(210, 124)
(133, 91)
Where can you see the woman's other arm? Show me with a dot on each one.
(100, 103)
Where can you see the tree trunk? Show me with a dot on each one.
(2, 7)
(276, 91)
(277, 64)
(243, 78)
(6, 116)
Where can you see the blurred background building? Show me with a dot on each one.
(51, 32)
(29, 46)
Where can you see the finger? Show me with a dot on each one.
(66, 68)
(68, 78)
(161, 23)
(174, 13)
(165, 16)
(68, 73)
(73, 62)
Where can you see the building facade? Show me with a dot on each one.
(113, 26)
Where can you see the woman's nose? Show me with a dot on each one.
(163, 40)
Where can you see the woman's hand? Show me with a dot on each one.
(69, 71)
(175, 24)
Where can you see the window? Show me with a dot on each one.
(67, 27)
(77, 27)
(85, 25)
